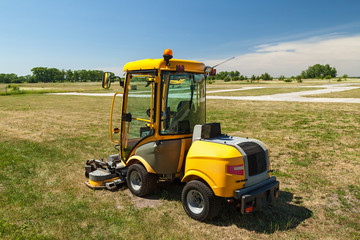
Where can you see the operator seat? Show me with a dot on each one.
(180, 122)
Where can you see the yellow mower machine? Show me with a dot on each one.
(163, 136)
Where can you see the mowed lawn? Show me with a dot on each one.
(46, 139)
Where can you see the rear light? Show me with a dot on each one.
(249, 209)
(236, 169)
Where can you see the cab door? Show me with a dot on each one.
(138, 110)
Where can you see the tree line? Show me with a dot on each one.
(236, 76)
(44, 74)
(316, 71)
(53, 75)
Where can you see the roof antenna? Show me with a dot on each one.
(211, 70)
(223, 62)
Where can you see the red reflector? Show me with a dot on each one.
(180, 68)
(236, 169)
(249, 209)
(277, 194)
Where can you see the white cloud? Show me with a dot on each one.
(290, 58)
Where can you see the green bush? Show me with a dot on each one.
(288, 80)
(227, 79)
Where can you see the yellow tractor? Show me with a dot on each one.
(163, 136)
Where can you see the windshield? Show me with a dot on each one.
(183, 102)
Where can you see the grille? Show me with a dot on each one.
(256, 157)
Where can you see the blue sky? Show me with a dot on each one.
(279, 37)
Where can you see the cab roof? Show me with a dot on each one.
(160, 64)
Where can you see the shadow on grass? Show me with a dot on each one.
(282, 215)
(279, 216)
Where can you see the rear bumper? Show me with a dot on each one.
(254, 197)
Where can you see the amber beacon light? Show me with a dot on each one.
(168, 54)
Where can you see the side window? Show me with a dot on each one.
(139, 102)
(183, 102)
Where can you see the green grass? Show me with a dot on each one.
(39, 88)
(355, 93)
(45, 141)
(262, 91)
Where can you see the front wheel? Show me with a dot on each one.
(139, 181)
(199, 201)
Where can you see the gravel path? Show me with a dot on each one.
(285, 97)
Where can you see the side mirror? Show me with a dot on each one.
(106, 80)
(210, 70)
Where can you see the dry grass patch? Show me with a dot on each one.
(263, 91)
(34, 88)
(354, 93)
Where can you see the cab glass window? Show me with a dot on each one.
(183, 102)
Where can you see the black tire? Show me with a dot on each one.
(199, 201)
(139, 181)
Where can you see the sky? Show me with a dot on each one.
(278, 37)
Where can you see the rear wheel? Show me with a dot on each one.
(139, 181)
(199, 201)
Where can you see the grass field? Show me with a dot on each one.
(46, 139)
(355, 93)
(263, 91)
(33, 88)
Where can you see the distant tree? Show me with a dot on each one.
(253, 78)
(68, 75)
(298, 79)
(222, 75)
(227, 79)
(236, 78)
(265, 76)
(40, 74)
(319, 71)
(54, 75)
(282, 77)
(345, 76)
(76, 76)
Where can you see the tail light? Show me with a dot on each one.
(249, 209)
(236, 169)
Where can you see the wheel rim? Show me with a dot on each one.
(195, 201)
(135, 180)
